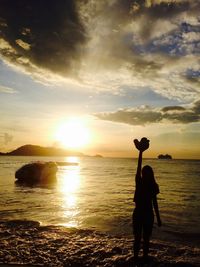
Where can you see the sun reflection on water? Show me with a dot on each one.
(72, 159)
(69, 187)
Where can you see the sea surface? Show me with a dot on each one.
(98, 195)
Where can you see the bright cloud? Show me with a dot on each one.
(7, 90)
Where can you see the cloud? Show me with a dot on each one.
(148, 46)
(7, 138)
(47, 35)
(153, 12)
(146, 115)
(196, 107)
(105, 44)
(7, 90)
(172, 108)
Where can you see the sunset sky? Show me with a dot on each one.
(122, 69)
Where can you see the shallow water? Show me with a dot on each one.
(26, 242)
(97, 194)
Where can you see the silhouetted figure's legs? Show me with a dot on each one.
(145, 246)
(147, 231)
(136, 246)
(137, 230)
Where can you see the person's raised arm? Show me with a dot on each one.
(141, 146)
(139, 167)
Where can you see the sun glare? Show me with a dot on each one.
(73, 134)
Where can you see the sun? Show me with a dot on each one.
(73, 133)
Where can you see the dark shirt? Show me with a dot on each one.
(144, 194)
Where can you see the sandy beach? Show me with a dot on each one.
(29, 244)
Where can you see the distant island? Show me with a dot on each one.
(98, 156)
(34, 150)
(166, 156)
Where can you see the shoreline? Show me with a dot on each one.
(29, 244)
(94, 156)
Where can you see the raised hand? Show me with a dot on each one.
(141, 145)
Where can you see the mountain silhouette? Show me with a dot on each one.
(34, 150)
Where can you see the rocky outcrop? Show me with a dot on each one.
(37, 172)
(34, 150)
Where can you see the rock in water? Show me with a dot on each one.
(37, 172)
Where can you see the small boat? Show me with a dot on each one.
(166, 156)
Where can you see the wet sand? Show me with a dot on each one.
(29, 244)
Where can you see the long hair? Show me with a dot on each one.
(148, 185)
(148, 179)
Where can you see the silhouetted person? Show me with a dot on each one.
(145, 198)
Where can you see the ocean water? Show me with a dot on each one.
(98, 194)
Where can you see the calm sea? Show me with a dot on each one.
(98, 194)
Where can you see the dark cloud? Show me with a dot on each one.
(48, 34)
(131, 116)
(147, 115)
(184, 117)
(196, 108)
(193, 76)
(106, 43)
(172, 108)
